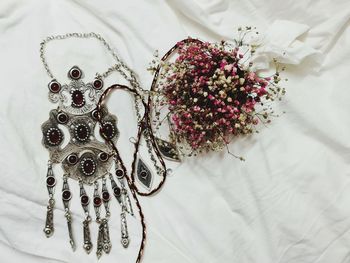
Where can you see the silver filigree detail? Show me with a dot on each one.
(91, 97)
(59, 153)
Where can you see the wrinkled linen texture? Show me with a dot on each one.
(289, 202)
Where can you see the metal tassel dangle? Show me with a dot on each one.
(117, 192)
(124, 200)
(97, 208)
(103, 238)
(66, 197)
(50, 183)
(118, 195)
(127, 201)
(106, 238)
(124, 230)
(99, 241)
(143, 174)
(125, 195)
(87, 237)
(84, 200)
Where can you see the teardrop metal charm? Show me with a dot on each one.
(144, 174)
(168, 150)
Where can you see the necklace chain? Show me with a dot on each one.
(79, 35)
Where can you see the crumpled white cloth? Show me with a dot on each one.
(288, 203)
(281, 42)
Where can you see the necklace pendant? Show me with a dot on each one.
(71, 137)
(143, 174)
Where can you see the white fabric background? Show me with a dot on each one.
(288, 203)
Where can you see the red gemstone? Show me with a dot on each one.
(75, 73)
(82, 132)
(116, 191)
(54, 136)
(54, 86)
(98, 84)
(108, 130)
(62, 117)
(50, 181)
(78, 99)
(119, 173)
(88, 167)
(66, 195)
(72, 159)
(97, 201)
(103, 156)
(84, 199)
(105, 196)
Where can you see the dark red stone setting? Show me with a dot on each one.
(84, 199)
(66, 195)
(50, 181)
(117, 192)
(78, 99)
(143, 174)
(82, 132)
(98, 84)
(54, 136)
(105, 196)
(54, 86)
(94, 114)
(88, 166)
(108, 130)
(72, 159)
(97, 201)
(119, 173)
(75, 73)
(62, 118)
(103, 156)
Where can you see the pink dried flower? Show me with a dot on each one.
(211, 96)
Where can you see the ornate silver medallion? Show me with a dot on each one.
(82, 155)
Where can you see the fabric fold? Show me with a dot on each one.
(282, 41)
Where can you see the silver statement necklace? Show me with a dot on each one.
(87, 160)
